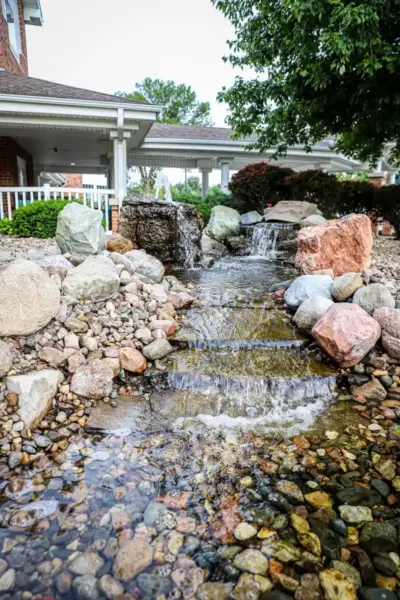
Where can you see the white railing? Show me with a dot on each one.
(12, 198)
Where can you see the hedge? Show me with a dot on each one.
(257, 185)
(38, 219)
(205, 205)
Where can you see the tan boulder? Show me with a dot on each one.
(344, 245)
(132, 360)
(118, 243)
(134, 555)
(347, 333)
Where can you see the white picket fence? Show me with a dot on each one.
(12, 198)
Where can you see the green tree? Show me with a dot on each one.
(180, 106)
(322, 67)
(179, 101)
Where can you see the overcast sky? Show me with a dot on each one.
(110, 45)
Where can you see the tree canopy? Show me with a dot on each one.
(179, 101)
(322, 67)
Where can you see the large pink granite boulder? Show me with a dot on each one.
(347, 333)
(389, 320)
(343, 245)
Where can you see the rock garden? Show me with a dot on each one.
(229, 432)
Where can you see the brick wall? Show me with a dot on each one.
(7, 58)
(9, 150)
(74, 180)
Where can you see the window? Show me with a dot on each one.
(10, 11)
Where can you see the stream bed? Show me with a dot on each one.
(174, 493)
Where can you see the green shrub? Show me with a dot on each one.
(38, 219)
(315, 186)
(388, 204)
(6, 227)
(355, 197)
(204, 205)
(258, 185)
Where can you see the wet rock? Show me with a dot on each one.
(146, 265)
(346, 285)
(373, 390)
(134, 556)
(374, 296)
(110, 587)
(281, 550)
(85, 587)
(381, 487)
(7, 581)
(32, 513)
(6, 359)
(244, 531)
(157, 349)
(386, 468)
(355, 514)
(132, 360)
(349, 571)
(187, 576)
(311, 542)
(385, 564)
(299, 524)
(307, 286)
(389, 320)
(309, 588)
(224, 222)
(93, 380)
(80, 231)
(94, 279)
(311, 311)
(251, 218)
(336, 586)
(35, 392)
(29, 299)
(290, 490)
(346, 333)
(370, 593)
(86, 563)
(344, 245)
(154, 585)
(14, 459)
(275, 595)
(365, 566)
(213, 590)
(252, 561)
(359, 496)
(379, 537)
(319, 500)
(251, 586)
(63, 583)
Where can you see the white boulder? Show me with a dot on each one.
(224, 222)
(80, 231)
(146, 265)
(311, 311)
(94, 279)
(290, 211)
(36, 391)
(308, 286)
(29, 299)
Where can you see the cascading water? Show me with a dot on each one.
(265, 237)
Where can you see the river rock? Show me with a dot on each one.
(213, 590)
(86, 563)
(344, 245)
(29, 299)
(94, 279)
(6, 359)
(80, 231)
(346, 285)
(117, 243)
(146, 265)
(224, 222)
(132, 360)
(169, 231)
(85, 587)
(306, 287)
(7, 581)
(134, 555)
(93, 380)
(356, 515)
(347, 333)
(336, 586)
(389, 320)
(251, 218)
(35, 391)
(379, 537)
(349, 571)
(290, 211)
(157, 349)
(373, 296)
(370, 593)
(252, 561)
(359, 496)
(311, 311)
(55, 265)
(372, 390)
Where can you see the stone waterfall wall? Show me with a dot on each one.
(171, 231)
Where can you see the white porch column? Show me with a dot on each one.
(120, 169)
(205, 181)
(391, 179)
(225, 165)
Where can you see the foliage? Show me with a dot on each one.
(6, 227)
(179, 101)
(323, 67)
(353, 176)
(205, 205)
(192, 185)
(354, 197)
(314, 186)
(387, 200)
(38, 219)
(257, 185)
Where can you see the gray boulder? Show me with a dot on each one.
(389, 320)
(212, 247)
(93, 380)
(346, 285)
(146, 265)
(157, 349)
(55, 265)
(308, 286)
(374, 296)
(224, 222)
(29, 299)
(35, 391)
(312, 221)
(290, 211)
(94, 279)
(311, 311)
(6, 359)
(80, 231)
(251, 218)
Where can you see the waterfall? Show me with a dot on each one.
(264, 240)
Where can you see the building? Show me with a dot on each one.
(48, 129)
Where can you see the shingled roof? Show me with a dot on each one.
(21, 85)
(192, 132)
